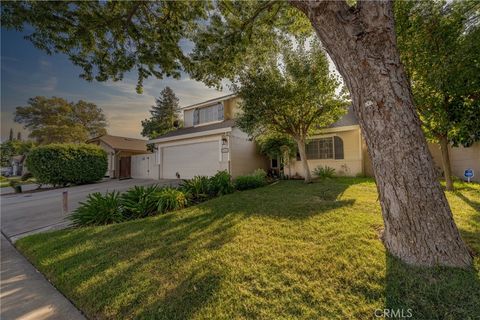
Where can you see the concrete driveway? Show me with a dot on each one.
(24, 214)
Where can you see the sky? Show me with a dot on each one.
(28, 72)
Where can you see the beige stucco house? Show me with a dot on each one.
(209, 142)
(120, 151)
(340, 146)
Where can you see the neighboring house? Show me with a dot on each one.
(119, 152)
(209, 142)
(17, 164)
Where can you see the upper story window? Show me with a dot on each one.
(325, 148)
(208, 114)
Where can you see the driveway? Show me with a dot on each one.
(24, 214)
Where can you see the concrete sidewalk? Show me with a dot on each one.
(26, 294)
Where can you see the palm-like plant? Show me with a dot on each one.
(169, 199)
(196, 189)
(99, 209)
(140, 201)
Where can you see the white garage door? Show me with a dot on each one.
(191, 160)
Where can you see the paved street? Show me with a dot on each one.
(23, 214)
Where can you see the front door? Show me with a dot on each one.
(125, 166)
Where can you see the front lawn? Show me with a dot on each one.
(284, 251)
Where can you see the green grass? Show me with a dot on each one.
(286, 251)
(5, 182)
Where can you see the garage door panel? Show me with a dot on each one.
(191, 160)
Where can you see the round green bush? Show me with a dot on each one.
(63, 164)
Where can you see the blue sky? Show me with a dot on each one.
(27, 72)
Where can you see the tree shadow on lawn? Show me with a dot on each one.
(111, 272)
(290, 199)
(432, 293)
(473, 204)
(160, 266)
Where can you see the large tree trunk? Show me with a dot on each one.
(419, 227)
(447, 169)
(303, 158)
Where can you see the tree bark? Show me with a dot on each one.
(419, 227)
(447, 169)
(303, 158)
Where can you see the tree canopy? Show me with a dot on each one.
(440, 46)
(293, 94)
(439, 43)
(155, 38)
(57, 120)
(164, 115)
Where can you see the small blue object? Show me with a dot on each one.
(468, 173)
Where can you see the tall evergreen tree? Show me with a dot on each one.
(10, 135)
(164, 115)
(19, 136)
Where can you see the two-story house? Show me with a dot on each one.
(208, 142)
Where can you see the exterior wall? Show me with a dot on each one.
(351, 165)
(244, 157)
(144, 166)
(222, 158)
(460, 159)
(230, 108)
(110, 158)
(188, 118)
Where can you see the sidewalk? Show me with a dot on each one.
(26, 294)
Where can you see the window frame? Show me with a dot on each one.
(318, 148)
(209, 114)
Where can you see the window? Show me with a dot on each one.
(274, 163)
(325, 148)
(208, 114)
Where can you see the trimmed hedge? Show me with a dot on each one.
(63, 164)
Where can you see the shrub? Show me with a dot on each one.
(99, 210)
(324, 172)
(62, 164)
(139, 202)
(169, 199)
(260, 173)
(196, 189)
(26, 176)
(221, 183)
(249, 182)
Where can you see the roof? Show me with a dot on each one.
(18, 158)
(197, 129)
(349, 119)
(208, 102)
(122, 143)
